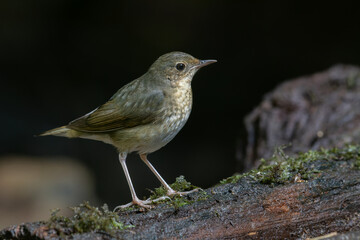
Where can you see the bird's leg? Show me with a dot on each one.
(169, 190)
(135, 199)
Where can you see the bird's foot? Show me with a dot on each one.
(147, 203)
(135, 202)
(158, 199)
(141, 203)
(172, 192)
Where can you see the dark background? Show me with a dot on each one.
(61, 59)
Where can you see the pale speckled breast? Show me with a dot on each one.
(179, 114)
(149, 138)
(174, 120)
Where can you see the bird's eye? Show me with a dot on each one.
(180, 66)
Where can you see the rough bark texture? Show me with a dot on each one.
(243, 210)
(310, 112)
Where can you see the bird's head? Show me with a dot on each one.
(177, 67)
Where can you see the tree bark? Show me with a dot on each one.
(321, 110)
(246, 209)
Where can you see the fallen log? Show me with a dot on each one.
(313, 194)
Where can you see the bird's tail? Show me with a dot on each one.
(60, 131)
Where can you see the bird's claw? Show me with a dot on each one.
(158, 199)
(141, 203)
(173, 192)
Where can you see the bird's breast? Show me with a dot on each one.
(177, 113)
(151, 137)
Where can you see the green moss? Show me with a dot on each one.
(180, 185)
(281, 168)
(87, 218)
(357, 164)
(179, 201)
(235, 178)
(351, 81)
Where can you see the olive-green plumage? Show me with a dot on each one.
(145, 114)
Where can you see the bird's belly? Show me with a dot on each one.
(151, 137)
(162, 133)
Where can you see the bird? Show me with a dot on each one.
(142, 116)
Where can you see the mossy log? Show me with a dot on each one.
(320, 110)
(252, 206)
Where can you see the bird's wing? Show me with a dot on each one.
(124, 110)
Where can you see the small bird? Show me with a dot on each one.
(142, 116)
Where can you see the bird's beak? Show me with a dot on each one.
(203, 63)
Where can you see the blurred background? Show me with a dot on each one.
(61, 59)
